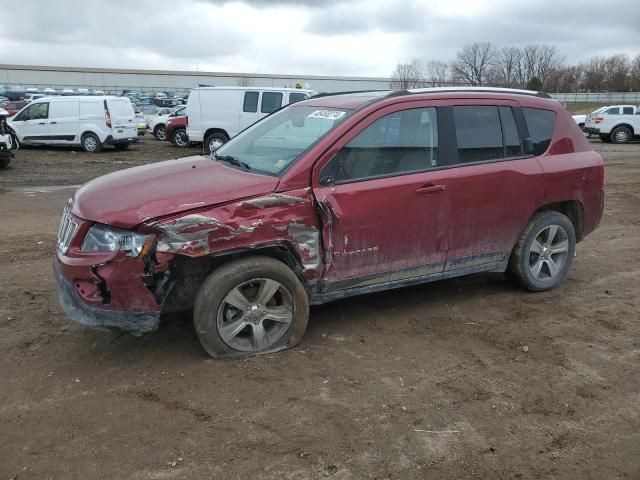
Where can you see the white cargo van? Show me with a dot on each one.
(215, 114)
(86, 121)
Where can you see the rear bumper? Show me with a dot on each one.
(120, 141)
(135, 322)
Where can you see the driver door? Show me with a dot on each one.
(31, 124)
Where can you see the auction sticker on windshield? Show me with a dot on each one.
(327, 114)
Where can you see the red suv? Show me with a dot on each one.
(334, 196)
(176, 132)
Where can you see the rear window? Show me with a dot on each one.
(271, 101)
(540, 124)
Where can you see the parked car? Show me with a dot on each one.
(34, 96)
(176, 132)
(8, 145)
(217, 114)
(157, 126)
(141, 124)
(335, 196)
(151, 112)
(13, 107)
(88, 121)
(616, 123)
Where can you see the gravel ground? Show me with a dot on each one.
(466, 378)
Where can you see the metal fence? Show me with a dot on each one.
(604, 98)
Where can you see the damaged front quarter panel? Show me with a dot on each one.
(289, 219)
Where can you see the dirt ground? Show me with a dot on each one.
(466, 378)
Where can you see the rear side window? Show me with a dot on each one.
(297, 97)
(627, 110)
(250, 102)
(510, 136)
(397, 143)
(540, 124)
(478, 132)
(271, 101)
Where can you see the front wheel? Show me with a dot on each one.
(543, 255)
(4, 162)
(250, 306)
(180, 138)
(160, 133)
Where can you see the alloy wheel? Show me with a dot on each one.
(255, 315)
(548, 252)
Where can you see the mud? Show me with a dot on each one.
(466, 378)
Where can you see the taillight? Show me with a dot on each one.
(186, 121)
(599, 119)
(107, 118)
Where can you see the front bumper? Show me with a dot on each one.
(134, 322)
(591, 130)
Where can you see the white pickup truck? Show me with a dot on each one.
(616, 123)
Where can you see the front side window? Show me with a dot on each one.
(38, 111)
(250, 103)
(271, 101)
(478, 132)
(541, 124)
(613, 111)
(272, 144)
(401, 142)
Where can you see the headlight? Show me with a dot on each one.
(102, 238)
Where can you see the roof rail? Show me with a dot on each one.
(350, 92)
(513, 91)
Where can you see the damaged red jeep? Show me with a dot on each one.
(334, 196)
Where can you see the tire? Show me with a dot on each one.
(4, 162)
(535, 266)
(180, 138)
(245, 326)
(91, 143)
(121, 146)
(621, 135)
(160, 132)
(213, 141)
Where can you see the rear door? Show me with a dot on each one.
(384, 212)
(493, 187)
(64, 117)
(123, 119)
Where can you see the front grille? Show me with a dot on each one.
(66, 231)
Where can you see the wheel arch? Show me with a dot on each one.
(573, 209)
(215, 130)
(186, 274)
(627, 125)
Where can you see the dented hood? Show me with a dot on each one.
(129, 197)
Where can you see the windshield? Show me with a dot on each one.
(272, 144)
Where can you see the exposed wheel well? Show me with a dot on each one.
(215, 130)
(188, 273)
(572, 209)
(630, 127)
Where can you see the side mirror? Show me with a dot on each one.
(528, 146)
(327, 181)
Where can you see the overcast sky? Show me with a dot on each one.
(335, 37)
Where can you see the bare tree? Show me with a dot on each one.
(634, 82)
(595, 77)
(505, 73)
(474, 63)
(617, 69)
(409, 75)
(244, 82)
(437, 73)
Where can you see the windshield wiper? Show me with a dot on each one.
(233, 161)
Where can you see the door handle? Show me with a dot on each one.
(53, 123)
(42, 123)
(429, 189)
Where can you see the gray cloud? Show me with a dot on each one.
(342, 37)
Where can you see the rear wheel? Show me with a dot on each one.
(250, 306)
(159, 132)
(543, 255)
(180, 138)
(621, 135)
(91, 143)
(214, 141)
